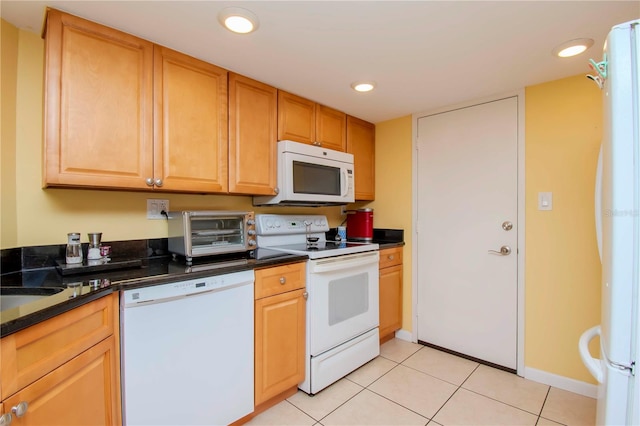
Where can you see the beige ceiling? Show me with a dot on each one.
(422, 54)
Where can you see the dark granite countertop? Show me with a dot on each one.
(76, 289)
(79, 289)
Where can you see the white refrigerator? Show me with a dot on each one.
(618, 226)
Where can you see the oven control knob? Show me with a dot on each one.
(251, 222)
(252, 242)
(251, 232)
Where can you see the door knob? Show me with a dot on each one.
(504, 251)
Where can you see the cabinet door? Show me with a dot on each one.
(279, 344)
(331, 128)
(296, 118)
(253, 116)
(390, 300)
(190, 123)
(84, 391)
(98, 105)
(361, 143)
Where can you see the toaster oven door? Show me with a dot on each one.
(211, 235)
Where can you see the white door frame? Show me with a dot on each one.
(521, 216)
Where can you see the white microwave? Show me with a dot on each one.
(310, 175)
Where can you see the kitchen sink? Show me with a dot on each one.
(10, 297)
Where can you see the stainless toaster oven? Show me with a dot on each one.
(206, 233)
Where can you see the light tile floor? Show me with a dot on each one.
(409, 384)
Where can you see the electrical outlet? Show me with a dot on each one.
(155, 208)
(343, 210)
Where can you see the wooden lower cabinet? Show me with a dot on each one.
(84, 391)
(279, 331)
(390, 292)
(66, 369)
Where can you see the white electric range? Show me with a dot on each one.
(342, 314)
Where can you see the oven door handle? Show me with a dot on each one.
(341, 262)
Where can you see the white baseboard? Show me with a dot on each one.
(561, 382)
(403, 335)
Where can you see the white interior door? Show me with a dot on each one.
(467, 185)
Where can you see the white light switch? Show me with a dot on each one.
(545, 200)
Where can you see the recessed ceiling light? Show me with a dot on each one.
(238, 20)
(363, 86)
(572, 47)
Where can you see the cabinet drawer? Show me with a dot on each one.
(279, 279)
(390, 257)
(33, 352)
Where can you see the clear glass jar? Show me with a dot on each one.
(74, 248)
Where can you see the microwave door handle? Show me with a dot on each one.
(345, 183)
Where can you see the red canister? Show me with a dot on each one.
(360, 225)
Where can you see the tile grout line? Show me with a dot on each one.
(367, 388)
(390, 400)
(542, 409)
(349, 399)
(456, 391)
(502, 402)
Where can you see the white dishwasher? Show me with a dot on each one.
(187, 351)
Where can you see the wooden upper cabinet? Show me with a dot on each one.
(331, 128)
(253, 130)
(304, 121)
(296, 118)
(361, 143)
(190, 123)
(98, 105)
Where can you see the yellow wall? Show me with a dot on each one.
(563, 122)
(563, 133)
(45, 216)
(392, 208)
(8, 84)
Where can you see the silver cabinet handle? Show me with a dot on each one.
(390, 257)
(504, 251)
(283, 280)
(6, 419)
(507, 226)
(158, 182)
(305, 295)
(20, 409)
(149, 181)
